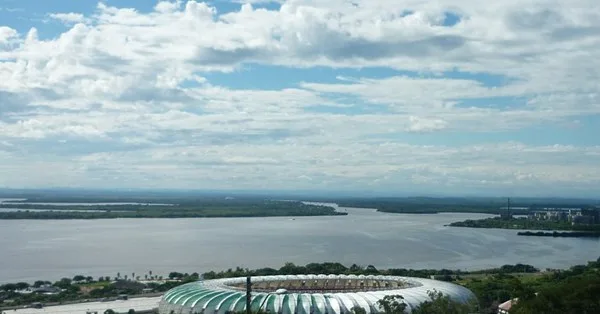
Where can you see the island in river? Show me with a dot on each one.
(184, 208)
(555, 234)
(573, 231)
(523, 224)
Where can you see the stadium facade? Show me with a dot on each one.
(304, 294)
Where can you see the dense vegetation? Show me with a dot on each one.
(432, 205)
(186, 208)
(574, 234)
(427, 205)
(576, 291)
(571, 291)
(523, 224)
(330, 268)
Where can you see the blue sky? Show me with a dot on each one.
(423, 97)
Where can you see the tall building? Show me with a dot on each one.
(593, 214)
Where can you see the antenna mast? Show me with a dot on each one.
(248, 294)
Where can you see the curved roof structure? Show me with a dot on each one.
(303, 294)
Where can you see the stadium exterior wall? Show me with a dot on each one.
(224, 296)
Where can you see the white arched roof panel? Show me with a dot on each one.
(225, 295)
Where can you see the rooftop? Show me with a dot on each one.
(138, 304)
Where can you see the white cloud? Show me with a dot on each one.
(167, 6)
(6, 34)
(129, 95)
(69, 18)
(425, 125)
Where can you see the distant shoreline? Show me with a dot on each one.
(220, 208)
(555, 234)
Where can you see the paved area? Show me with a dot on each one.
(138, 304)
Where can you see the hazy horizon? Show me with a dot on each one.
(300, 195)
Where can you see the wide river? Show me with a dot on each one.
(51, 249)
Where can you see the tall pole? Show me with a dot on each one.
(248, 294)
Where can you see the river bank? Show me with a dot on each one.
(555, 234)
(190, 209)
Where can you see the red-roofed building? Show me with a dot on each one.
(504, 308)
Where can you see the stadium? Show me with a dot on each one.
(303, 294)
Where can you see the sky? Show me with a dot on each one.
(394, 97)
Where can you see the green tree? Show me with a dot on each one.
(175, 275)
(439, 303)
(392, 304)
(493, 290)
(356, 269)
(131, 311)
(290, 269)
(63, 283)
(79, 278)
(573, 295)
(39, 283)
(358, 310)
(8, 287)
(22, 285)
(371, 270)
(109, 311)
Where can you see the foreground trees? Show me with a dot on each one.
(575, 291)
(442, 304)
(579, 294)
(438, 303)
(392, 304)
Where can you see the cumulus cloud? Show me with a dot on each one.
(125, 97)
(425, 125)
(6, 34)
(68, 18)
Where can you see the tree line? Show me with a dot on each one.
(335, 268)
(250, 208)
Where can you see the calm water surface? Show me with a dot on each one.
(14, 202)
(49, 249)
